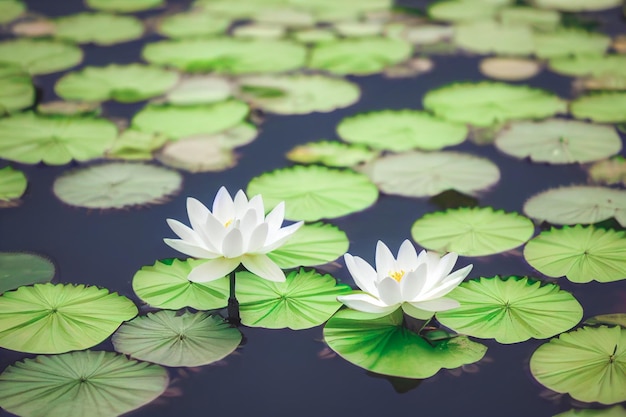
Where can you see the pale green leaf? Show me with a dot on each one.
(18, 269)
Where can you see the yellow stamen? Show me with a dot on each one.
(397, 275)
(228, 223)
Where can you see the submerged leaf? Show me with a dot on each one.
(12, 185)
(610, 171)
(331, 153)
(18, 269)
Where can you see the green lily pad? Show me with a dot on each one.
(54, 140)
(12, 185)
(18, 269)
(356, 29)
(331, 153)
(10, 9)
(594, 65)
(577, 5)
(559, 141)
(476, 231)
(312, 192)
(489, 103)
(314, 35)
(578, 204)
(615, 411)
(311, 245)
(608, 319)
(564, 42)
(511, 309)
(165, 285)
(465, 10)
(581, 254)
(422, 174)
(48, 318)
(607, 107)
(180, 121)
(116, 185)
(587, 363)
(610, 171)
(40, 56)
(306, 299)
(99, 28)
(16, 89)
(135, 145)
(77, 384)
(536, 18)
(227, 55)
(400, 130)
(124, 83)
(289, 17)
(259, 31)
(124, 6)
(172, 339)
(361, 56)
(203, 89)
(383, 345)
(298, 94)
(486, 36)
(192, 24)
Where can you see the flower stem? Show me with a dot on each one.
(233, 305)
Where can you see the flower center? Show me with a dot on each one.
(397, 275)
(228, 223)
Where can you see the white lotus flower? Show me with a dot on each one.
(235, 232)
(417, 283)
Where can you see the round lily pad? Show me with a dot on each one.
(124, 83)
(564, 42)
(180, 121)
(559, 141)
(124, 6)
(540, 19)
(581, 254)
(18, 269)
(487, 36)
(172, 339)
(298, 94)
(489, 103)
(227, 55)
(360, 56)
(616, 411)
(40, 56)
(509, 69)
(587, 363)
(578, 204)
(48, 318)
(511, 309)
(594, 65)
(192, 24)
(610, 171)
(462, 10)
(331, 153)
(165, 285)
(609, 107)
(99, 28)
(312, 192)
(609, 319)
(202, 89)
(400, 130)
(422, 174)
(201, 153)
(577, 5)
(135, 145)
(10, 9)
(117, 185)
(259, 31)
(314, 35)
(77, 384)
(306, 299)
(12, 185)
(476, 231)
(16, 89)
(383, 345)
(312, 244)
(54, 140)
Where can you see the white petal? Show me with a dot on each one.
(213, 269)
(279, 238)
(458, 275)
(184, 232)
(264, 267)
(445, 265)
(241, 204)
(197, 213)
(413, 282)
(441, 289)
(223, 206)
(385, 262)
(438, 304)
(248, 223)
(275, 218)
(214, 231)
(362, 273)
(257, 239)
(232, 246)
(190, 249)
(366, 303)
(256, 204)
(407, 256)
(389, 291)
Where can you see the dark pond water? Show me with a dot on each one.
(292, 373)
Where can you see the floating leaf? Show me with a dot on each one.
(47, 318)
(259, 31)
(10, 9)
(312, 244)
(40, 56)
(615, 411)
(312, 192)
(99, 28)
(30, 138)
(314, 35)
(577, 5)
(489, 103)
(165, 285)
(594, 65)
(383, 345)
(476, 231)
(559, 141)
(124, 6)
(192, 24)
(16, 89)
(509, 69)
(465, 10)
(610, 319)
(581, 254)
(511, 310)
(360, 56)
(77, 384)
(227, 55)
(181, 121)
(124, 83)
(355, 29)
(18, 269)
(610, 171)
(400, 130)
(197, 154)
(565, 42)
(331, 153)
(136, 145)
(200, 90)
(68, 108)
(587, 363)
(536, 18)
(172, 339)
(486, 36)
(306, 299)
(299, 94)
(12, 185)
(422, 174)
(607, 107)
(578, 204)
(117, 185)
